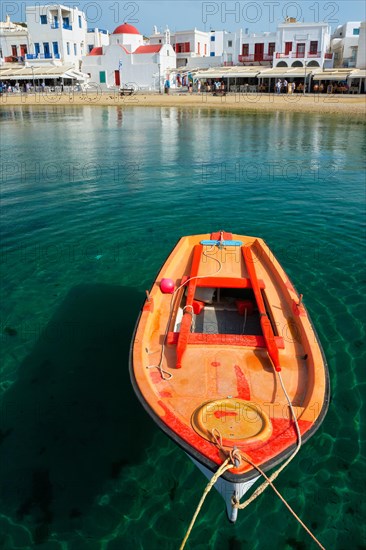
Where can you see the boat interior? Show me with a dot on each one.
(222, 311)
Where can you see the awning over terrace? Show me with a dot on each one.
(40, 73)
(337, 75)
(288, 72)
(226, 72)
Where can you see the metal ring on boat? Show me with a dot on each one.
(238, 421)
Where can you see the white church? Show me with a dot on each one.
(129, 62)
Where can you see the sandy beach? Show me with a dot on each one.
(349, 105)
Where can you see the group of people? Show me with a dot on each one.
(8, 87)
(282, 86)
(24, 87)
(214, 86)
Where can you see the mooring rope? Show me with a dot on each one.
(222, 469)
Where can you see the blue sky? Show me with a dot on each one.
(263, 15)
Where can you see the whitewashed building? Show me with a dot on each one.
(14, 41)
(299, 44)
(361, 52)
(96, 38)
(257, 48)
(57, 34)
(345, 44)
(128, 62)
(224, 47)
(197, 49)
(188, 45)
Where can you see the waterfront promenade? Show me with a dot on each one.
(350, 105)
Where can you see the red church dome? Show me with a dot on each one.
(126, 29)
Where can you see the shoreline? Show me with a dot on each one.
(348, 105)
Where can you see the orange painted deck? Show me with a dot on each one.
(210, 369)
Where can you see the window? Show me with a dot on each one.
(199, 48)
(288, 47)
(182, 47)
(205, 49)
(212, 39)
(102, 79)
(43, 19)
(300, 49)
(229, 43)
(23, 49)
(55, 49)
(46, 50)
(90, 47)
(36, 48)
(212, 54)
(258, 51)
(356, 32)
(68, 48)
(75, 49)
(80, 23)
(14, 52)
(245, 49)
(313, 47)
(271, 48)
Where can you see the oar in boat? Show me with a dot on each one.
(267, 330)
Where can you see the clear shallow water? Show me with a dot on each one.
(93, 200)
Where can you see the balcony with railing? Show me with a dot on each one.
(300, 55)
(251, 58)
(14, 59)
(304, 55)
(246, 58)
(30, 56)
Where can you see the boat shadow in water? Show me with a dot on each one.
(71, 422)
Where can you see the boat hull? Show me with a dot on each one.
(204, 359)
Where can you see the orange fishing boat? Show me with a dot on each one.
(226, 360)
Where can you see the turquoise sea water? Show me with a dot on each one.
(92, 201)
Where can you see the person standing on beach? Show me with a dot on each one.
(278, 86)
(199, 86)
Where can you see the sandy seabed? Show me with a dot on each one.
(348, 105)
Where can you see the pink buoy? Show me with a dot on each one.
(167, 286)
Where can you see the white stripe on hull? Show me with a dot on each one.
(227, 489)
